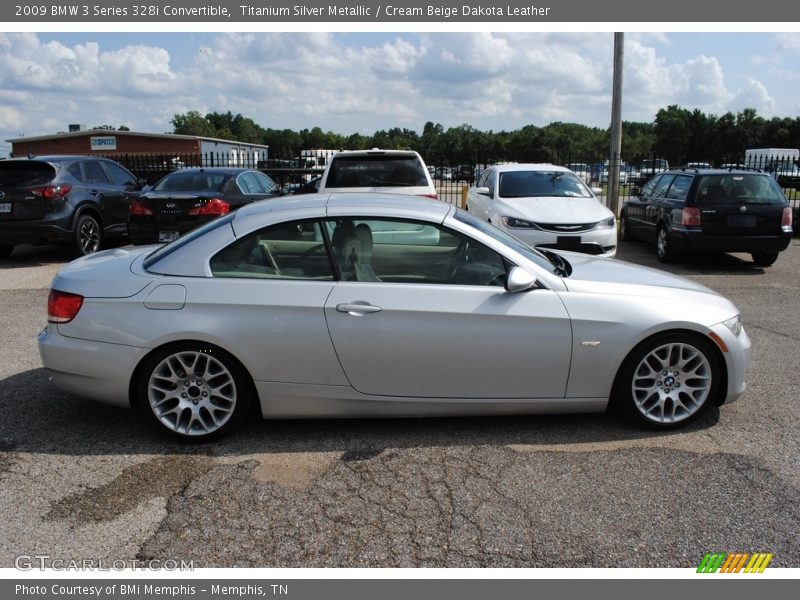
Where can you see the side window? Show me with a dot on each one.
(398, 251)
(662, 186)
(267, 185)
(648, 188)
(491, 181)
(248, 183)
(294, 250)
(75, 171)
(94, 172)
(119, 176)
(679, 188)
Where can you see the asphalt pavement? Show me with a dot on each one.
(80, 480)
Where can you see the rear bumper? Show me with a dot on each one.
(686, 240)
(147, 231)
(35, 232)
(94, 370)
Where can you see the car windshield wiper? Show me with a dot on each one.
(561, 265)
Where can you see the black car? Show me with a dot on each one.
(718, 210)
(74, 200)
(187, 198)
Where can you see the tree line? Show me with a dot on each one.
(677, 134)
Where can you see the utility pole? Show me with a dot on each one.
(616, 126)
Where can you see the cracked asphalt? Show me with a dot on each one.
(81, 480)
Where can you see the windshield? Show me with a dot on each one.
(528, 184)
(733, 187)
(192, 181)
(553, 264)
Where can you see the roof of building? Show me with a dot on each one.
(70, 134)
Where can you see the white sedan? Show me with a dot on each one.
(545, 206)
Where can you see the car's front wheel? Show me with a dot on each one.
(764, 259)
(194, 391)
(668, 381)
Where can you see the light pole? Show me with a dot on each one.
(616, 126)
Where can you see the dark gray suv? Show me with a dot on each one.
(73, 200)
(710, 210)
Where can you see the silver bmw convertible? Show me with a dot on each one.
(367, 305)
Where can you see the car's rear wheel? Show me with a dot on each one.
(88, 235)
(764, 259)
(6, 250)
(624, 232)
(193, 391)
(664, 246)
(668, 381)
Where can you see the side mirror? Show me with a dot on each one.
(141, 182)
(597, 191)
(519, 280)
(635, 191)
(483, 191)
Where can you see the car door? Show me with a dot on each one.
(635, 207)
(479, 203)
(118, 203)
(654, 209)
(108, 197)
(433, 320)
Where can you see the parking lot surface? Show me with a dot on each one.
(81, 480)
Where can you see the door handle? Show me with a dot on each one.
(357, 309)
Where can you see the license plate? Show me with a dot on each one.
(742, 220)
(5, 207)
(167, 236)
(568, 242)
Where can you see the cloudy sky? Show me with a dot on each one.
(360, 82)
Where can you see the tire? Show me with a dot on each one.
(6, 250)
(764, 259)
(668, 381)
(87, 235)
(624, 228)
(193, 392)
(664, 246)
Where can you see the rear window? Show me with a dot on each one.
(376, 171)
(195, 181)
(738, 188)
(168, 249)
(25, 173)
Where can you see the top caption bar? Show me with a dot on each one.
(409, 11)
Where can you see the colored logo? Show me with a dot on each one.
(735, 562)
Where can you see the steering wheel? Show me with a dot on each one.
(459, 259)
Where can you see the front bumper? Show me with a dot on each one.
(597, 242)
(737, 360)
(94, 370)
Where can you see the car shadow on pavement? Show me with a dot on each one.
(38, 418)
(688, 265)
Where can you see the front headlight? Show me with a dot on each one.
(609, 223)
(734, 324)
(516, 223)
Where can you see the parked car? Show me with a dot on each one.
(545, 206)
(623, 174)
(710, 210)
(311, 307)
(182, 200)
(444, 174)
(77, 201)
(582, 170)
(386, 171)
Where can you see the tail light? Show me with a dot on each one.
(434, 196)
(215, 206)
(137, 208)
(786, 220)
(62, 307)
(690, 217)
(52, 191)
